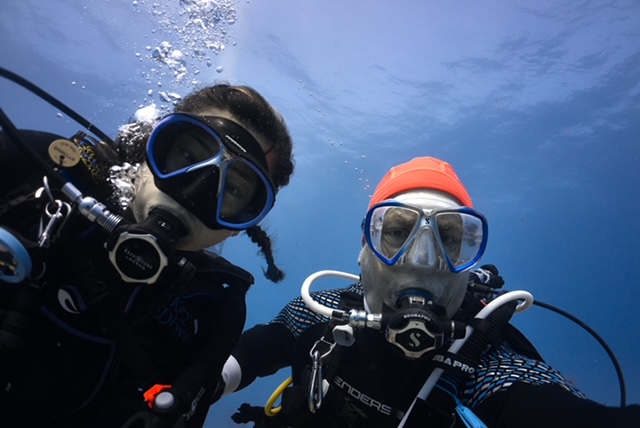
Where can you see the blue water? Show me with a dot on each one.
(536, 105)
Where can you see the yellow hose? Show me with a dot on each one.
(269, 410)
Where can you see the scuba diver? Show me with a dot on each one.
(116, 315)
(420, 339)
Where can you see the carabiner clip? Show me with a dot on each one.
(316, 386)
(57, 212)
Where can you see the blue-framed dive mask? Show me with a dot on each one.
(213, 167)
(451, 238)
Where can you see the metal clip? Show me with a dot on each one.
(53, 210)
(57, 212)
(316, 386)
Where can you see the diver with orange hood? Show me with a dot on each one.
(420, 339)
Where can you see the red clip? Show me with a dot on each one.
(151, 393)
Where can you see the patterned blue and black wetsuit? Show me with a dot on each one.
(373, 384)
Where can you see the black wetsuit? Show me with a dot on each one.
(78, 345)
(372, 385)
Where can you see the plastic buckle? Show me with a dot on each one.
(152, 393)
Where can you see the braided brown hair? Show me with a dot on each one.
(259, 236)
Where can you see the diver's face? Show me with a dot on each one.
(148, 196)
(383, 284)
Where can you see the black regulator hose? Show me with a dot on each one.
(592, 332)
(12, 132)
(56, 103)
(482, 289)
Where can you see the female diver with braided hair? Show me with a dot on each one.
(249, 108)
(120, 317)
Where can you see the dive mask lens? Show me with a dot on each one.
(450, 238)
(463, 236)
(247, 195)
(388, 229)
(180, 144)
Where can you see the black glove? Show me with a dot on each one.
(247, 413)
(486, 275)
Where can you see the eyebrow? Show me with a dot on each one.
(399, 216)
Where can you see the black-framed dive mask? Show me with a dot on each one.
(213, 167)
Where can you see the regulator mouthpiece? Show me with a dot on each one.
(415, 329)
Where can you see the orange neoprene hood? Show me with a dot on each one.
(421, 173)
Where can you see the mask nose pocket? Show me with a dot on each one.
(424, 250)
